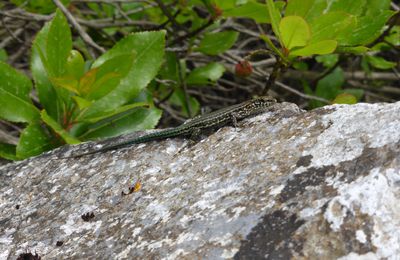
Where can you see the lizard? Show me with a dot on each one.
(193, 127)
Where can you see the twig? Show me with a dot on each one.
(301, 94)
(86, 38)
(193, 33)
(9, 39)
(182, 83)
(166, 12)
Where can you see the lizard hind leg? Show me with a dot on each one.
(234, 120)
(195, 135)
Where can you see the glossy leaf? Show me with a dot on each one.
(308, 9)
(107, 77)
(59, 44)
(322, 47)
(206, 74)
(149, 48)
(133, 120)
(330, 86)
(39, 6)
(15, 88)
(75, 66)
(328, 60)
(81, 102)
(380, 63)
(225, 4)
(58, 128)
(256, 11)
(331, 26)
(345, 98)
(295, 32)
(274, 16)
(117, 111)
(216, 43)
(7, 151)
(66, 82)
(369, 28)
(354, 7)
(179, 99)
(34, 140)
(38, 64)
(377, 6)
(356, 92)
(3, 55)
(354, 50)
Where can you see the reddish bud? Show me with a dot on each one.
(243, 68)
(217, 12)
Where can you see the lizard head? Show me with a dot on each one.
(255, 106)
(263, 101)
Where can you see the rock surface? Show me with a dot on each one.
(323, 184)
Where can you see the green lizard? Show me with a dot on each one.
(193, 127)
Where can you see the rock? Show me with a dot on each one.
(323, 184)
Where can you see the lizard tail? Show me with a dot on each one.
(141, 139)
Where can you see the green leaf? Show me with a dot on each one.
(34, 140)
(322, 47)
(7, 151)
(295, 32)
(308, 9)
(330, 86)
(66, 82)
(275, 17)
(75, 66)
(331, 26)
(108, 75)
(256, 11)
(38, 64)
(380, 63)
(149, 48)
(356, 92)
(81, 102)
(394, 36)
(328, 60)
(377, 6)
(117, 111)
(179, 99)
(59, 45)
(345, 98)
(225, 4)
(354, 50)
(58, 129)
(203, 75)
(354, 7)
(216, 43)
(3, 55)
(368, 29)
(39, 6)
(15, 87)
(170, 69)
(133, 120)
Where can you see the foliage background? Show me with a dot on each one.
(77, 70)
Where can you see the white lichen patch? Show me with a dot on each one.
(360, 236)
(346, 129)
(273, 191)
(376, 195)
(355, 256)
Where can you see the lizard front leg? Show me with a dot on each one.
(195, 134)
(234, 119)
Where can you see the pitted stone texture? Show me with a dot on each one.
(287, 184)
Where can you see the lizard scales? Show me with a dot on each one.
(194, 126)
